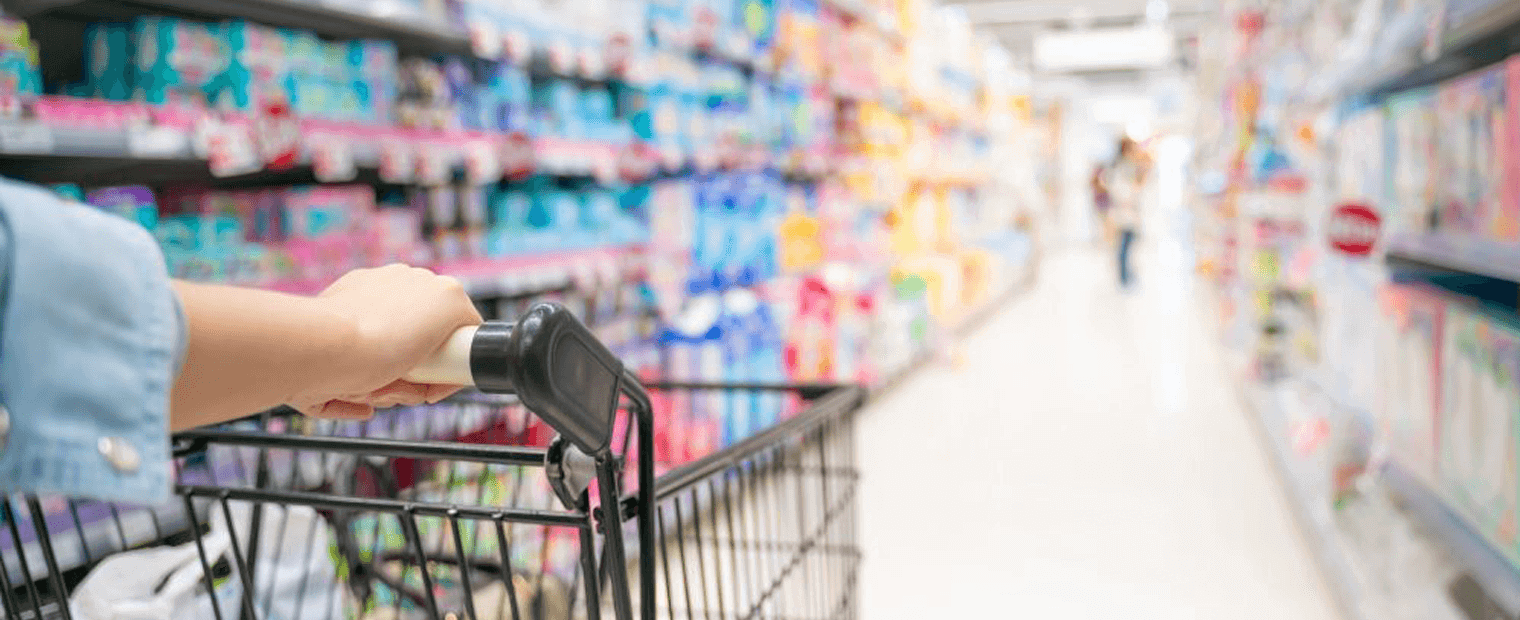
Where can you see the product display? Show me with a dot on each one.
(1394, 305)
(735, 192)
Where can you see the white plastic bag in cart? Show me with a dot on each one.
(158, 584)
(295, 576)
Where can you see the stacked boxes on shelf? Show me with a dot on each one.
(1464, 131)
(302, 237)
(19, 70)
(1450, 404)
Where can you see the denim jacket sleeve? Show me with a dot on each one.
(90, 340)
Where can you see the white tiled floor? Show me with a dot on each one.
(1085, 458)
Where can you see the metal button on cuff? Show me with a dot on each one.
(120, 454)
(5, 425)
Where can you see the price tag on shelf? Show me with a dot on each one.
(11, 106)
(332, 159)
(637, 161)
(638, 69)
(397, 162)
(704, 33)
(433, 164)
(561, 56)
(481, 164)
(552, 156)
(517, 45)
(155, 141)
(485, 41)
(581, 274)
(592, 64)
(604, 165)
(617, 54)
(26, 138)
(279, 137)
(672, 157)
(706, 159)
(229, 148)
(517, 156)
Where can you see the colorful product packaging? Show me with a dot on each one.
(1480, 400)
(1409, 351)
(135, 202)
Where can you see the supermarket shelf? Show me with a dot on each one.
(32, 151)
(546, 271)
(968, 323)
(1314, 519)
(33, 138)
(514, 276)
(50, 152)
(1497, 576)
(858, 10)
(1450, 254)
(347, 20)
(1480, 21)
(1486, 32)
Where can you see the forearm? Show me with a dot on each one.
(249, 350)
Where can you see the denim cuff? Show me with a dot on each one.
(90, 335)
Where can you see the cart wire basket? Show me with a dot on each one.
(535, 497)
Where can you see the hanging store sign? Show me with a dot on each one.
(1354, 229)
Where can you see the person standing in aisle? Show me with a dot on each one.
(102, 355)
(1126, 183)
(1101, 203)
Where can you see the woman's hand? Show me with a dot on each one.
(399, 317)
(340, 354)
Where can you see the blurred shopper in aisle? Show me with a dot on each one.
(1126, 183)
(1102, 202)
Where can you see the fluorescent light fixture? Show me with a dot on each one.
(1156, 12)
(1103, 49)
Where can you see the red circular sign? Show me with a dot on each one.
(1354, 229)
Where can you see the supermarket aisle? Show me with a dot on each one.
(1085, 459)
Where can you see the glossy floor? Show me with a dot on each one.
(1082, 455)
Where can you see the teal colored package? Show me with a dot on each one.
(108, 60)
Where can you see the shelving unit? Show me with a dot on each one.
(969, 322)
(1484, 33)
(1499, 579)
(353, 19)
(1481, 36)
(1314, 519)
(1450, 254)
(49, 152)
(537, 272)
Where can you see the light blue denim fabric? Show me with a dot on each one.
(90, 340)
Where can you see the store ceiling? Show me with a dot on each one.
(1017, 23)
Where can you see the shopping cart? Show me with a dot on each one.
(535, 497)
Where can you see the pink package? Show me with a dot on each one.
(1506, 222)
(396, 237)
(327, 228)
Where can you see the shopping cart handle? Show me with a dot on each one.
(555, 365)
(450, 365)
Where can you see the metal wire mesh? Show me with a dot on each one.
(441, 512)
(765, 529)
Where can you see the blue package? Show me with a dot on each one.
(178, 60)
(108, 60)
